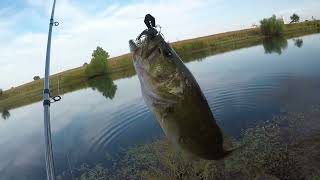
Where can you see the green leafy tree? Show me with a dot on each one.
(272, 26)
(294, 18)
(36, 78)
(98, 63)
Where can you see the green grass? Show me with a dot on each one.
(228, 41)
(316, 178)
(122, 66)
(272, 150)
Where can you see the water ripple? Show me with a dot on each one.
(119, 121)
(243, 95)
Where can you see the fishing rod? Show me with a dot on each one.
(46, 103)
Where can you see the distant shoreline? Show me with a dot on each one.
(121, 66)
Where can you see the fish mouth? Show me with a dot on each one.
(144, 48)
(150, 37)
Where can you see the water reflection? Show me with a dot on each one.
(104, 85)
(202, 54)
(243, 88)
(298, 42)
(275, 45)
(5, 114)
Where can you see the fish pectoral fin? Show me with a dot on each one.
(158, 100)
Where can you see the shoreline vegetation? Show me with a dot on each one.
(285, 147)
(122, 66)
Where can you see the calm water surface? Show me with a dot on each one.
(243, 87)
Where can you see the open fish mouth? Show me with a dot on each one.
(148, 35)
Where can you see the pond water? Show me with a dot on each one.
(243, 87)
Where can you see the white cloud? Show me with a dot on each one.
(81, 30)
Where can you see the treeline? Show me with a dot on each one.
(274, 26)
(122, 66)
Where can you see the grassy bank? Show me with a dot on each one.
(224, 42)
(286, 147)
(122, 67)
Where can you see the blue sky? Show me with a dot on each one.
(108, 23)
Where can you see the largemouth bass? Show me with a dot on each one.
(175, 98)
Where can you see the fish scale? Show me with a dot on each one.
(173, 95)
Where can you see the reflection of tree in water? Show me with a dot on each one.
(298, 42)
(105, 85)
(5, 114)
(275, 45)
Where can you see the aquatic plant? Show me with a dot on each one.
(285, 147)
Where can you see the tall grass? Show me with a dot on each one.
(214, 41)
(120, 62)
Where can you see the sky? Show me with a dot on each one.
(84, 25)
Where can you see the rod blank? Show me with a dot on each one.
(46, 105)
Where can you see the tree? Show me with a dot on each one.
(272, 26)
(294, 18)
(275, 45)
(298, 42)
(5, 114)
(36, 78)
(98, 63)
(104, 85)
(1, 92)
